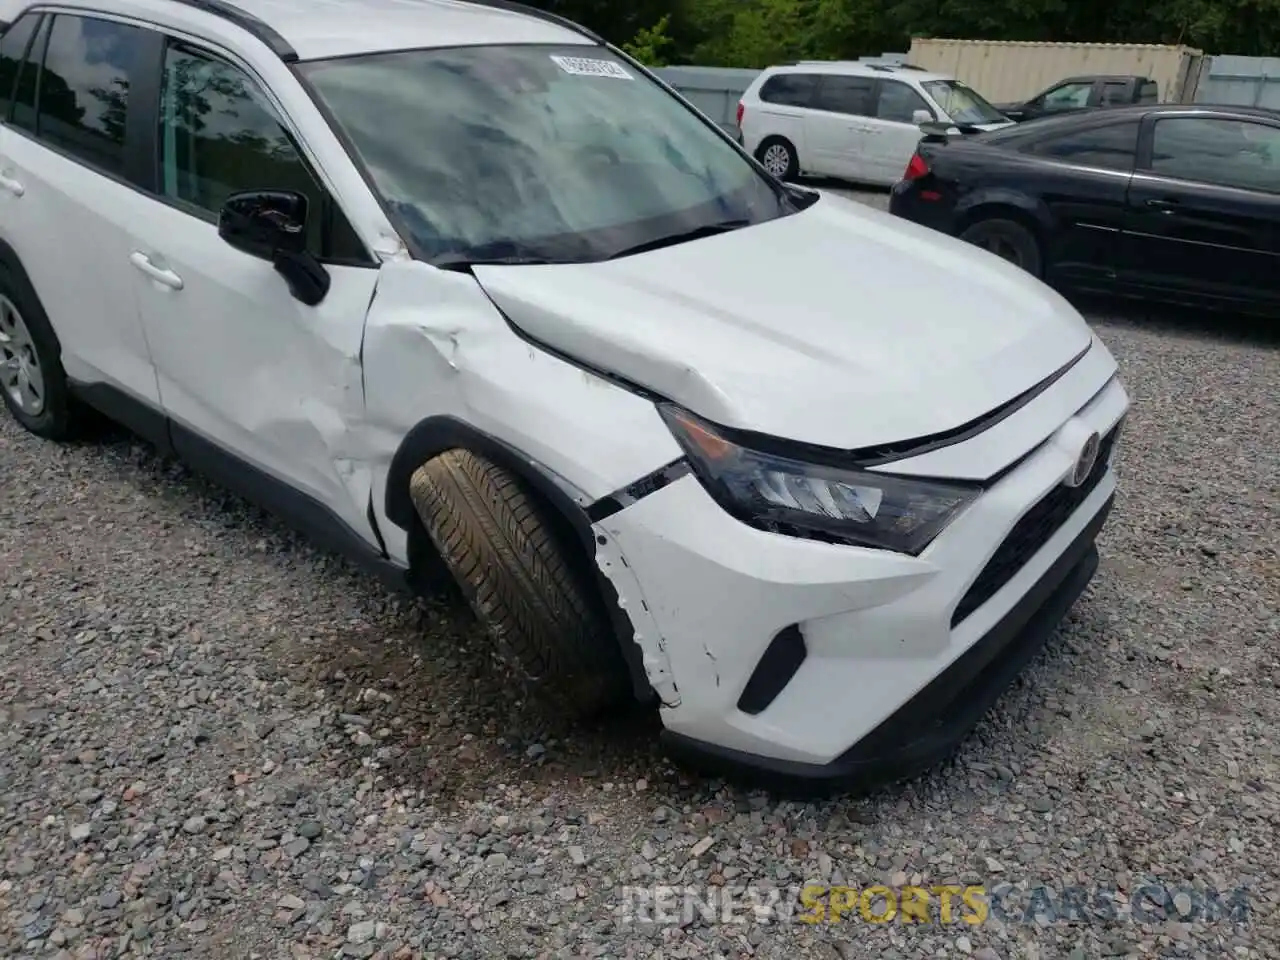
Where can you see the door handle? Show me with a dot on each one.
(166, 277)
(1164, 206)
(13, 186)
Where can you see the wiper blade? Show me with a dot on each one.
(463, 263)
(697, 233)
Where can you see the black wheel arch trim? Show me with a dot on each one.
(432, 436)
(984, 203)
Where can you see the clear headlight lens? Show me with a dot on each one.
(791, 496)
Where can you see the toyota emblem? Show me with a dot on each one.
(1084, 463)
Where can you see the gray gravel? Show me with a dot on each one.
(216, 741)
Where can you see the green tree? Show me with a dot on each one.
(650, 44)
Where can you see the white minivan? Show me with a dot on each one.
(855, 121)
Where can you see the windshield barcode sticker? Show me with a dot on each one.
(585, 67)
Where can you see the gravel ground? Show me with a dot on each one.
(219, 742)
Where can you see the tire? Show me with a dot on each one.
(509, 558)
(778, 156)
(30, 357)
(1008, 240)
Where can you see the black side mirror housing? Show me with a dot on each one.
(272, 225)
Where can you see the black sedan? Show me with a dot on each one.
(1173, 202)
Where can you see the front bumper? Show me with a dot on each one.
(898, 659)
(931, 725)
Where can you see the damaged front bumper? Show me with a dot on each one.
(798, 660)
(932, 724)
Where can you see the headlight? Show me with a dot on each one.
(807, 499)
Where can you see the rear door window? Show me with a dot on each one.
(1113, 146)
(1149, 92)
(850, 95)
(89, 68)
(1115, 93)
(13, 50)
(789, 89)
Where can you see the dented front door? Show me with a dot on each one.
(246, 367)
(243, 367)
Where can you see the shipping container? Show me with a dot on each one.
(1009, 71)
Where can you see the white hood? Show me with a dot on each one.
(840, 326)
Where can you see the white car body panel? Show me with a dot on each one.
(435, 345)
(831, 142)
(244, 364)
(708, 324)
(83, 274)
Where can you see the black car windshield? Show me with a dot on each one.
(963, 104)
(536, 153)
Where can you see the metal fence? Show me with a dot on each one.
(1240, 81)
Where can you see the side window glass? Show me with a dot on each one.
(1114, 93)
(1069, 96)
(1230, 153)
(84, 88)
(219, 134)
(1112, 146)
(24, 91)
(843, 94)
(13, 50)
(898, 102)
(789, 89)
(1149, 93)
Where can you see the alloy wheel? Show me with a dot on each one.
(20, 374)
(776, 159)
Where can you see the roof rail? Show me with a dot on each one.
(247, 21)
(549, 17)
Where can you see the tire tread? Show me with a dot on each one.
(548, 624)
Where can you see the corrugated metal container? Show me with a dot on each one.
(713, 90)
(1007, 71)
(1241, 81)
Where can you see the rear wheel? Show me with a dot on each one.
(525, 583)
(1008, 240)
(778, 156)
(32, 382)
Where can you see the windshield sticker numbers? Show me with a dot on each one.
(586, 67)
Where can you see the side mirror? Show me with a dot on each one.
(921, 116)
(272, 225)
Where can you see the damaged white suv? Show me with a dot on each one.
(456, 285)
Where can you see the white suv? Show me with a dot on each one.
(855, 121)
(456, 286)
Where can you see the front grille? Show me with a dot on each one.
(1031, 533)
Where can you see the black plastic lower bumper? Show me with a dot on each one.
(929, 727)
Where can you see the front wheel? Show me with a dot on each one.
(1008, 240)
(519, 576)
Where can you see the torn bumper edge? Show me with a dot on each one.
(635, 610)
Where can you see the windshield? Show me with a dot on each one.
(536, 152)
(963, 104)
